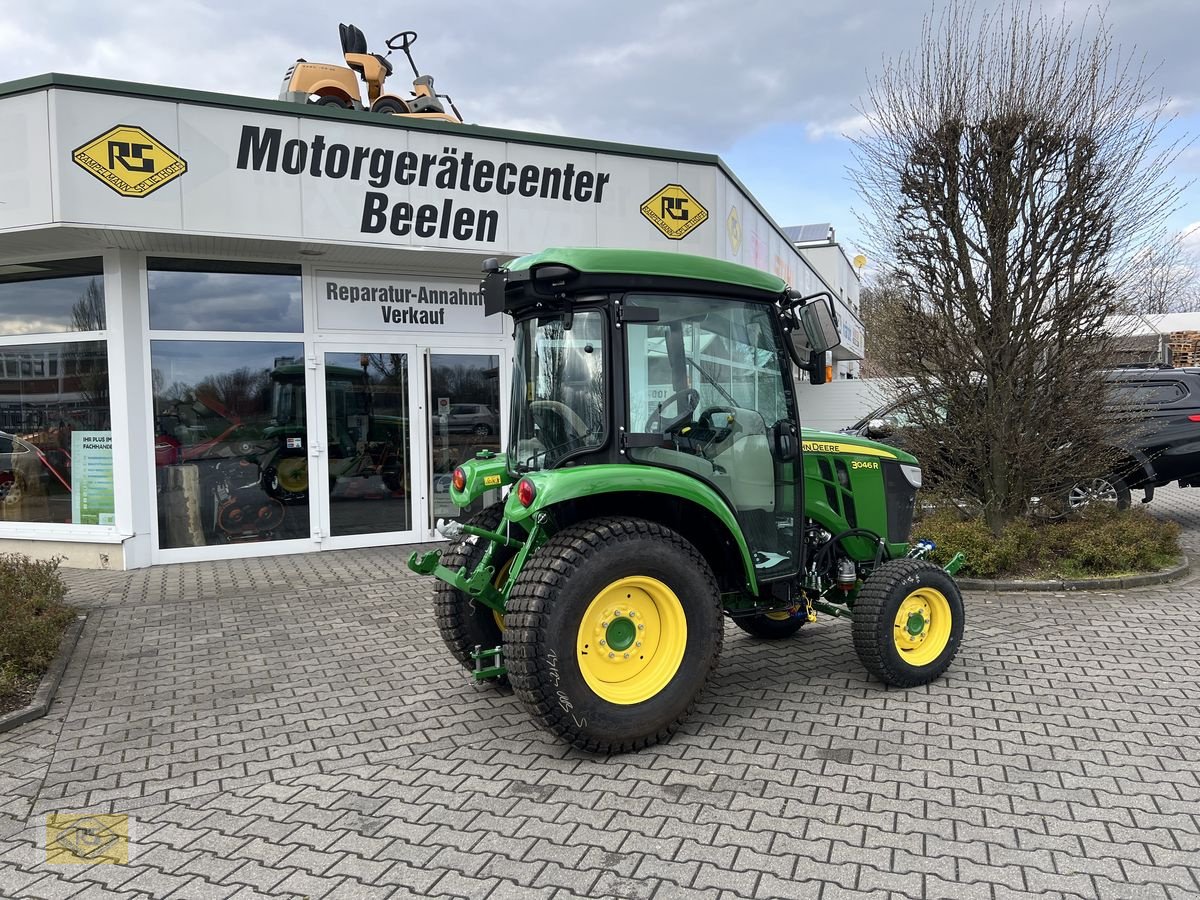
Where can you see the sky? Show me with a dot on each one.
(774, 87)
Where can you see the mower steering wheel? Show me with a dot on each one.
(401, 41)
(688, 399)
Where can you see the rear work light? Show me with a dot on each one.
(459, 479)
(526, 492)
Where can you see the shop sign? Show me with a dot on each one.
(674, 211)
(129, 160)
(402, 304)
(92, 500)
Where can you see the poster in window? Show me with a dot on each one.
(92, 478)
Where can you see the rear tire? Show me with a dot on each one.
(612, 629)
(908, 622)
(463, 621)
(332, 100)
(768, 628)
(390, 106)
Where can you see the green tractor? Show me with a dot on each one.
(658, 482)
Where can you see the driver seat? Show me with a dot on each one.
(371, 66)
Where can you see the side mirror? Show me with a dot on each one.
(877, 428)
(819, 326)
(784, 442)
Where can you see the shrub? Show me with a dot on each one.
(32, 620)
(1099, 542)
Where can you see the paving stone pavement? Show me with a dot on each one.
(292, 727)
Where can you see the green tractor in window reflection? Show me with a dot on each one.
(658, 482)
(361, 442)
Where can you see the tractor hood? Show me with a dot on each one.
(814, 441)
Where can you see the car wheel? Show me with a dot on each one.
(1110, 491)
(482, 429)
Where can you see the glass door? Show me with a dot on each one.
(463, 399)
(366, 404)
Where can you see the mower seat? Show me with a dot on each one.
(353, 40)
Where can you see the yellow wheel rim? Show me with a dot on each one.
(631, 640)
(781, 615)
(922, 627)
(293, 474)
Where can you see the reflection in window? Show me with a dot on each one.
(55, 434)
(230, 442)
(205, 295)
(52, 296)
(464, 418)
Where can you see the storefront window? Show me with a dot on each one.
(53, 296)
(206, 295)
(55, 434)
(230, 442)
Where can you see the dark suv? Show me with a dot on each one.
(1166, 448)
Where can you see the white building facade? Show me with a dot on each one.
(233, 327)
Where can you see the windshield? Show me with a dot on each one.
(558, 390)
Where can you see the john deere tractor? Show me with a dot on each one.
(657, 481)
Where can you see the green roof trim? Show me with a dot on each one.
(653, 262)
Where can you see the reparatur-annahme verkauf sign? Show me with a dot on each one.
(403, 303)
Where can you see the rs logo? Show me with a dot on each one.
(122, 151)
(675, 208)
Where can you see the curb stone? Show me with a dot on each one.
(1119, 582)
(50, 679)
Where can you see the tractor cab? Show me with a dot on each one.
(696, 381)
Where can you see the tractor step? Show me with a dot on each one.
(495, 656)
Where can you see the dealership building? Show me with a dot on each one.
(236, 327)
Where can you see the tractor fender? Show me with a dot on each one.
(335, 88)
(594, 482)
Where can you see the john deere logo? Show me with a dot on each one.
(130, 161)
(733, 228)
(674, 211)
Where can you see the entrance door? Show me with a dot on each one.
(464, 418)
(367, 410)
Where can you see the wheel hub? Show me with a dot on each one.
(631, 639)
(922, 625)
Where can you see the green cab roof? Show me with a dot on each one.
(652, 263)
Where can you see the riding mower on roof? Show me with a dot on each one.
(658, 483)
(327, 85)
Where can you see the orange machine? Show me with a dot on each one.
(329, 85)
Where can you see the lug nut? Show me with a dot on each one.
(611, 655)
(627, 656)
(639, 643)
(602, 644)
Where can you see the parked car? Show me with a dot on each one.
(24, 467)
(470, 418)
(1165, 448)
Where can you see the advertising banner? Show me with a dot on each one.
(92, 478)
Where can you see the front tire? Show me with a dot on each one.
(463, 621)
(908, 622)
(612, 630)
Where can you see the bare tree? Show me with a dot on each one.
(1014, 177)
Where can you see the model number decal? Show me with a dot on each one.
(863, 464)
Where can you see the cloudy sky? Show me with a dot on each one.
(769, 85)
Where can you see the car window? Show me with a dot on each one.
(6, 444)
(1150, 393)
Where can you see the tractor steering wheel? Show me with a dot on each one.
(401, 41)
(688, 400)
(705, 418)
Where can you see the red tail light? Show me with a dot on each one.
(459, 479)
(1194, 418)
(525, 492)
